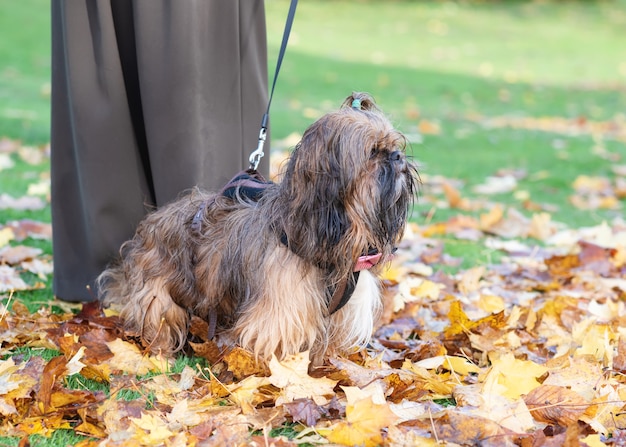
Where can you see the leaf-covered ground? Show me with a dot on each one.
(526, 350)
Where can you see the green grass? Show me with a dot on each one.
(441, 61)
(25, 70)
(444, 61)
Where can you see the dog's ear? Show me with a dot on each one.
(316, 219)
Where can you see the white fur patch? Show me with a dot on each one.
(352, 325)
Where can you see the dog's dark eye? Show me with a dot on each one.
(374, 152)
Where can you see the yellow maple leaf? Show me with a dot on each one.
(441, 385)
(128, 358)
(541, 226)
(44, 425)
(184, 416)
(458, 365)
(595, 340)
(593, 441)
(470, 280)
(459, 321)
(7, 368)
(151, 429)
(6, 235)
(491, 303)
(398, 436)
(604, 413)
(394, 272)
(491, 218)
(373, 391)
(363, 424)
(246, 393)
(291, 376)
(414, 289)
(512, 377)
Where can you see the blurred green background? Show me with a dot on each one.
(477, 86)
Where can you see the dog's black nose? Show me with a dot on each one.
(396, 156)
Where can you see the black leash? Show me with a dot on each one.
(255, 157)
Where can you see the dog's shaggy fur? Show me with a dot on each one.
(265, 269)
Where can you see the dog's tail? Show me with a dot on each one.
(147, 282)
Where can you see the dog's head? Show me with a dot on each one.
(348, 186)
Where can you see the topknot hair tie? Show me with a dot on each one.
(356, 104)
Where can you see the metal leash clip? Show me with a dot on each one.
(255, 157)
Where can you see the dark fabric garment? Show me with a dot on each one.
(149, 98)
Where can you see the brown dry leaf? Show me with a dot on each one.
(587, 184)
(167, 390)
(91, 430)
(428, 127)
(208, 350)
(454, 198)
(32, 155)
(470, 280)
(490, 219)
(26, 228)
(23, 203)
(541, 226)
(8, 145)
(440, 385)
(579, 374)
(17, 383)
(471, 430)
(496, 185)
(39, 267)
(71, 398)
(7, 369)
(10, 280)
(605, 413)
(619, 361)
(562, 266)
(555, 405)
(304, 410)
(359, 375)
(243, 364)
(54, 370)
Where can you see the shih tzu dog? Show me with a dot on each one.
(276, 268)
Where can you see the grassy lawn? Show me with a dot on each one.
(478, 87)
(448, 63)
(452, 65)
